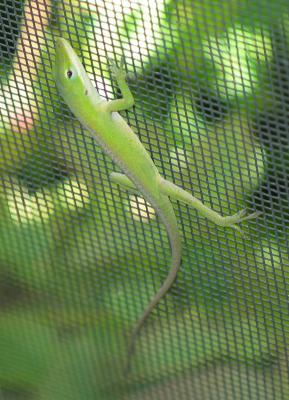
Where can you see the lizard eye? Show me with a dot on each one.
(69, 74)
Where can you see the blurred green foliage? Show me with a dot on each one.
(80, 258)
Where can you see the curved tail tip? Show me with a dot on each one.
(130, 353)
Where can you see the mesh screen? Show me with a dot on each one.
(80, 257)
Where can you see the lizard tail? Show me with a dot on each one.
(166, 213)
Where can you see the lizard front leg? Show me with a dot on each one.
(127, 100)
(124, 181)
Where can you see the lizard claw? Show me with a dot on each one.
(242, 213)
(233, 220)
(111, 61)
(240, 217)
(254, 215)
(244, 216)
(122, 62)
(118, 72)
(238, 229)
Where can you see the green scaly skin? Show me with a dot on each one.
(100, 117)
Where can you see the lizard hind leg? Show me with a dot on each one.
(177, 193)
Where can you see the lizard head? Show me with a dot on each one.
(69, 74)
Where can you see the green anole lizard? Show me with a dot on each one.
(100, 117)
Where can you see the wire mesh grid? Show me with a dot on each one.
(80, 257)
